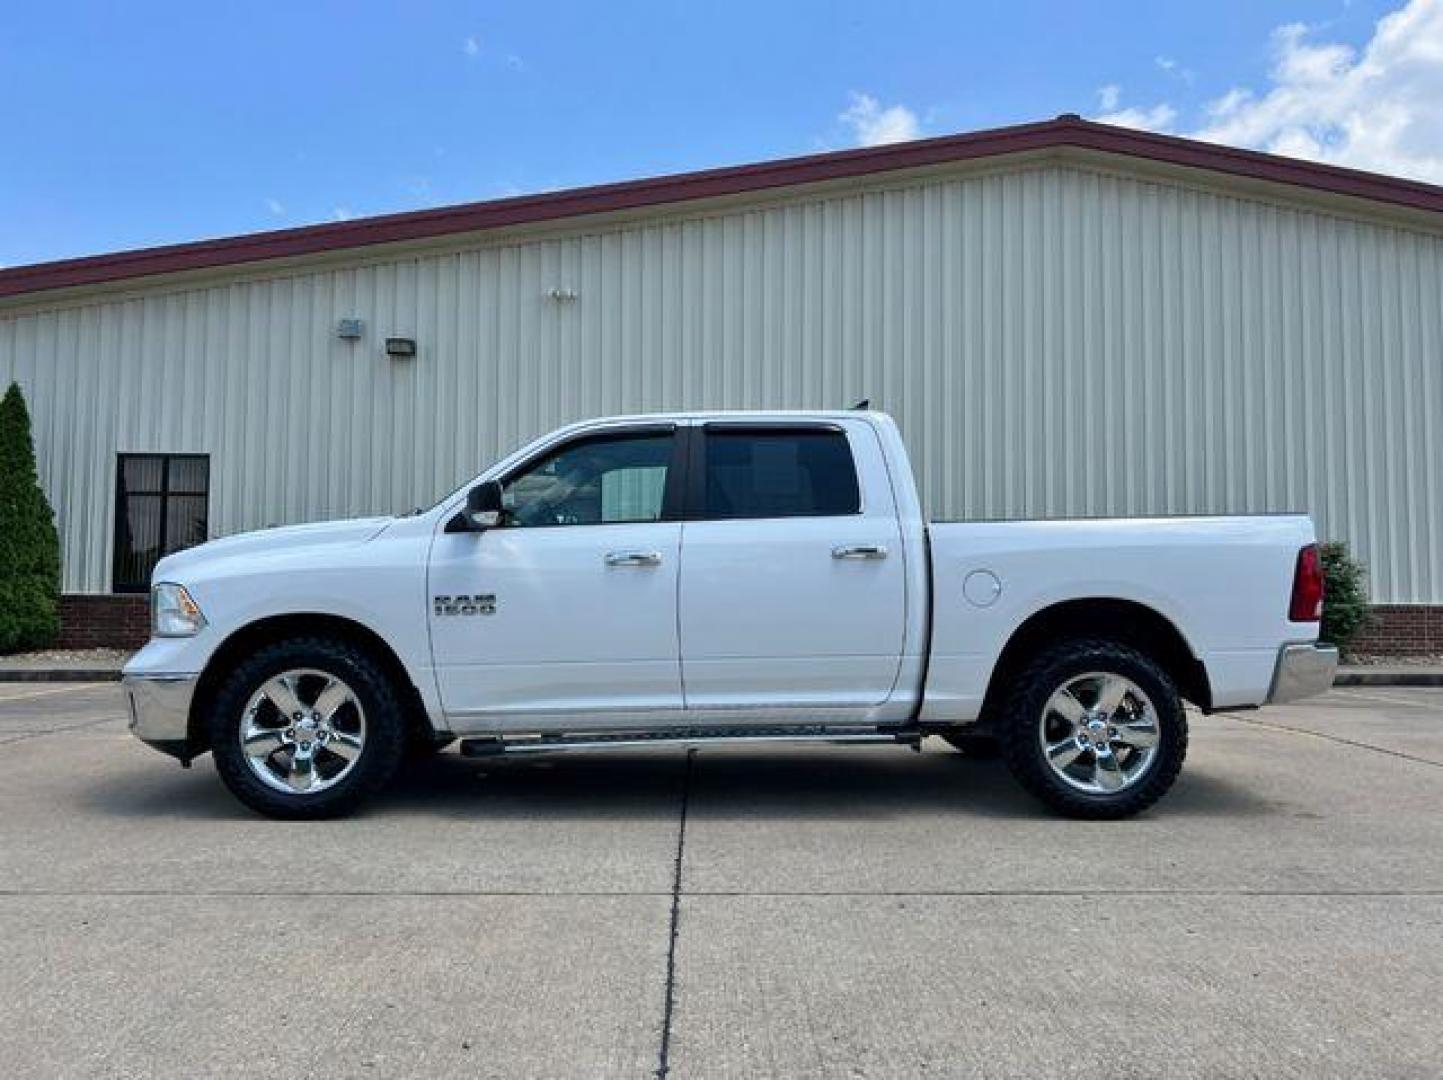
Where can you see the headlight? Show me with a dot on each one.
(173, 613)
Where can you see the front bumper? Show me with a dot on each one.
(159, 708)
(1302, 671)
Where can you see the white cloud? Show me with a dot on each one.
(1173, 68)
(1377, 108)
(1108, 97)
(873, 125)
(275, 207)
(477, 50)
(1229, 103)
(1156, 118)
(342, 213)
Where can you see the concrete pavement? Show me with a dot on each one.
(836, 912)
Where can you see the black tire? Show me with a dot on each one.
(1029, 694)
(385, 729)
(981, 745)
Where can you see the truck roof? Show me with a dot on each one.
(739, 414)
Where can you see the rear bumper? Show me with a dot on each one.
(159, 707)
(1302, 671)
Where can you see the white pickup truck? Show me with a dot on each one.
(708, 577)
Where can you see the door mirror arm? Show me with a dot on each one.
(483, 509)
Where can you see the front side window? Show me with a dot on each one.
(604, 480)
(161, 506)
(764, 473)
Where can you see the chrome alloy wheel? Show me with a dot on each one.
(303, 731)
(1099, 732)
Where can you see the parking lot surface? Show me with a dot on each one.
(748, 912)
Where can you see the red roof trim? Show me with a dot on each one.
(1065, 131)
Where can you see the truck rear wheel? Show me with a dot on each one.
(1094, 729)
(306, 728)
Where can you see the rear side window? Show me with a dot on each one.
(763, 473)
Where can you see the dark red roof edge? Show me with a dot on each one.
(1065, 131)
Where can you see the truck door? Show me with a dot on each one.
(793, 587)
(570, 604)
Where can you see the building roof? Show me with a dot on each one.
(1067, 131)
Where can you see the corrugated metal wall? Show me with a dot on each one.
(1054, 341)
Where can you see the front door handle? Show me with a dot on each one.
(859, 551)
(633, 558)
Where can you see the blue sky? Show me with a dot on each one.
(128, 125)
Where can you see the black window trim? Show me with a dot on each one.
(165, 494)
(696, 479)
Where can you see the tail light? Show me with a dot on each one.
(1307, 602)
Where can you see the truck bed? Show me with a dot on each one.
(1222, 582)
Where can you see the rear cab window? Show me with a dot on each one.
(777, 472)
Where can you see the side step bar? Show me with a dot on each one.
(493, 746)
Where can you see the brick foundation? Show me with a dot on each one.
(1402, 630)
(103, 621)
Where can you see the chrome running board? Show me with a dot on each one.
(632, 740)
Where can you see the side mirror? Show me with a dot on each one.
(483, 505)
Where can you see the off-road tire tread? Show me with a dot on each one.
(1027, 695)
(385, 727)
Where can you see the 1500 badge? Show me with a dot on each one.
(474, 604)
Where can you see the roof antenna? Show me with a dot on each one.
(863, 405)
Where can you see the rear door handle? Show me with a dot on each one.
(859, 551)
(633, 558)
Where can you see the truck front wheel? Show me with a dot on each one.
(1095, 729)
(306, 728)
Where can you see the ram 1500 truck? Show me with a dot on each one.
(704, 577)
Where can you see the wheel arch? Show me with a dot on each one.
(253, 635)
(1126, 622)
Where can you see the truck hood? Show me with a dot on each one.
(264, 544)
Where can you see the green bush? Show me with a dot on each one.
(29, 547)
(1345, 597)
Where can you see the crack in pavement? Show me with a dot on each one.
(33, 694)
(16, 737)
(1426, 705)
(663, 1056)
(1340, 740)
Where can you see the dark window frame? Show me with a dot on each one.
(165, 494)
(696, 494)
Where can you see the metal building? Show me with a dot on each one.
(1066, 318)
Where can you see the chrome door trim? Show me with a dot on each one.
(859, 551)
(633, 557)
